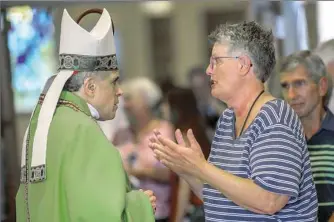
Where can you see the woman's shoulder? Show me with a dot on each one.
(278, 111)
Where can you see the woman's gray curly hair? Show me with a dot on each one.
(251, 39)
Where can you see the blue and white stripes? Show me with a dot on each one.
(273, 153)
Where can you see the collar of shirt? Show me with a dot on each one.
(328, 122)
(93, 111)
(331, 103)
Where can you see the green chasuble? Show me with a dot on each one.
(85, 178)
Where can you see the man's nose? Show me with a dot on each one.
(292, 93)
(119, 91)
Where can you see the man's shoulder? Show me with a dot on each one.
(68, 123)
(77, 132)
(70, 117)
(328, 122)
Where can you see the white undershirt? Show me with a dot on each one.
(95, 114)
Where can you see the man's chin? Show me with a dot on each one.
(113, 114)
(301, 114)
(299, 110)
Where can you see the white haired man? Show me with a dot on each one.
(326, 52)
(307, 87)
(70, 171)
(258, 168)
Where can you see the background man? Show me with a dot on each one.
(307, 87)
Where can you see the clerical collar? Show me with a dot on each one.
(93, 111)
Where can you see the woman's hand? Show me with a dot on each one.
(179, 157)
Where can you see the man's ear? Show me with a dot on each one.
(89, 87)
(323, 86)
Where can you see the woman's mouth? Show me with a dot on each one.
(212, 83)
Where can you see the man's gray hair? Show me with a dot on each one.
(75, 82)
(313, 64)
(251, 39)
(48, 84)
(144, 86)
(326, 51)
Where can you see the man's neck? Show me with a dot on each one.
(313, 121)
(93, 111)
(95, 114)
(242, 101)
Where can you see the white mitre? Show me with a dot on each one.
(79, 50)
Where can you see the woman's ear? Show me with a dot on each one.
(245, 64)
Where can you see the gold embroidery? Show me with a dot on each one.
(62, 102)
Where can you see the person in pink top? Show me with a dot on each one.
(141, 99)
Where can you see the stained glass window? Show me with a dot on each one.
(31, 46)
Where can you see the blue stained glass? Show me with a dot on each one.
(32, 53)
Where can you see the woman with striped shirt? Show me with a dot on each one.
(259, 167)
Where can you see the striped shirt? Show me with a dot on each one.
(272, 152)
(321, 148)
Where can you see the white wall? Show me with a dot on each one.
(325, 20)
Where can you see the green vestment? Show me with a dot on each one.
(86, 180)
